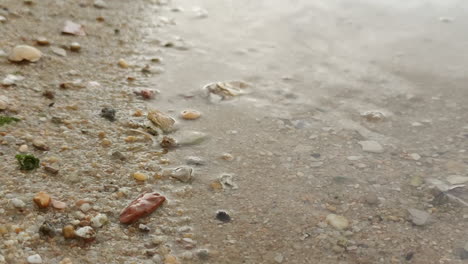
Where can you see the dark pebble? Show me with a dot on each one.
(108, 113)
(223, 216)
(409, 256)
(118, 155)
(316, 155)
(47, 229)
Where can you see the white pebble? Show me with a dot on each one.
(18, 203)
(34, 259)
(371, 146)
(337, 221)
(99, 220)
(415, 156)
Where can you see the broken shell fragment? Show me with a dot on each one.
(161, 120)
(86, 233)
(143, 205)
(220, 91)
(227, 182)
(25, 52)
(182, 173)
(73, 28)
(373, 116)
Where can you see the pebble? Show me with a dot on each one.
(371, 146)
(200, 12)
(373, 116)
(85, 207)
(203, 254)
(161, 120)
(118, 155)
(10, 80)
(182, 173)
(223, 216)
(47, 229)
(418, 217)
(17, 203)
(3, 19)
(4, 101)
(338, 249)
(58, 204)
(193, 160)
(66, 261)
(86, 232)
(337, 221)
(157, 240)
(279, 258)
(170, 259)
(168, 142)
(190, 114)
(42, 41)
(100, 4)
(140, 176)
(146, 94)
(75, 46)
(144, 228)
(122, 63)
(416, 181)
(415, 156)
(23, 148)
(34, 259)
(40, 144)
(24, 52)
(42, 200)
(99, 220)
(372, 199)
(354, 158)
(68, 231)
(227, 156)
(455, 179)
(59, 51)
(108, 113)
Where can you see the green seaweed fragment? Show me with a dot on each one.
(7, 120)
(27, 161)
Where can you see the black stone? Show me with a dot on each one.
(223, 216)
(108, 113)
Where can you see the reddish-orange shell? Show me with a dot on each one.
(143, 205)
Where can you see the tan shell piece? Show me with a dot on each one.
(226, 90)
(161, 120)
(25, 52)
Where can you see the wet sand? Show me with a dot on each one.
(324, 78)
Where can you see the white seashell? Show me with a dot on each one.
(25, 52)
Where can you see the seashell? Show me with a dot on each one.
(220, 91)
(182, 173)
(143, 205)
(190, 114)
(73, 28)
(25, 52)
(161, 120)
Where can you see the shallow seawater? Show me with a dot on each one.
(314, 68)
